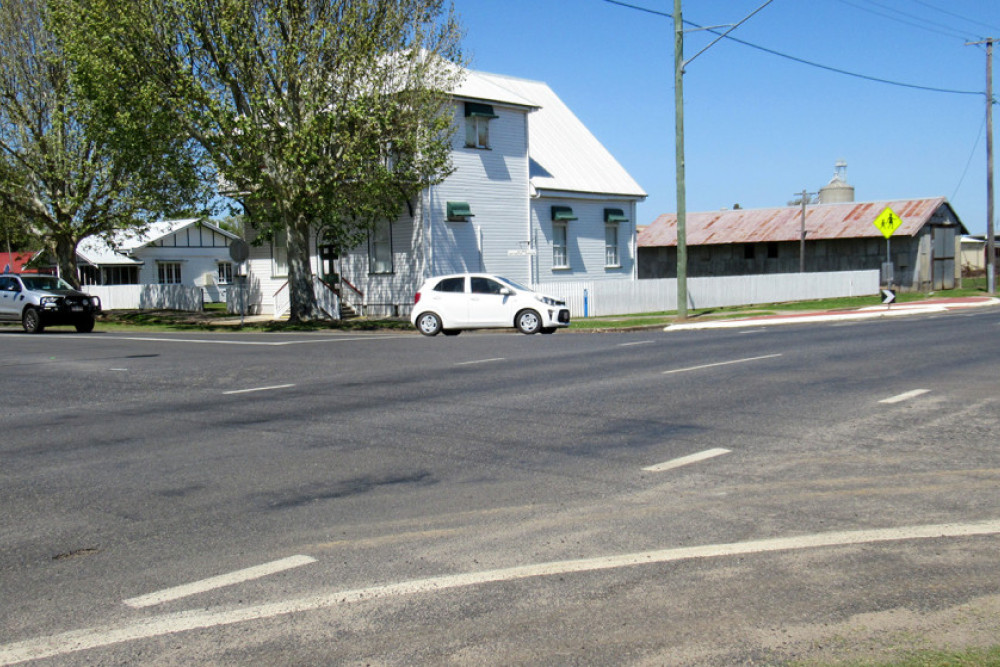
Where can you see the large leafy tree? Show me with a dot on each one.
(59, 180)
(318, 115)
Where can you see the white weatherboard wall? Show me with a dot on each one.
(494, 182)
(649, 296)
(585, 241)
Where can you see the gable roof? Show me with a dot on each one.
(823, 221)
(97, 250)
(565, 156)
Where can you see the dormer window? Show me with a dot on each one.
(477, 124)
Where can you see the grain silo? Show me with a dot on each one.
(837, 191)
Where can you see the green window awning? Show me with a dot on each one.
(474, 109)
(459, 210)
(614, 215)
(562, 214)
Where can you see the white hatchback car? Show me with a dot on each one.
(449, 304)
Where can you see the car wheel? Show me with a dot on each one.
(451, 332)
(85, 325)
(548, 330)
(528, 322)
(32, 321)
(429, 324)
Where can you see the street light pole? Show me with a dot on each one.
(679, 65)
(679, 159)
(991, 256)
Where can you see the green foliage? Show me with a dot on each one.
(314, 114)
(60, 181)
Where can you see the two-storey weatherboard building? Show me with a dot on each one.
(533, 196)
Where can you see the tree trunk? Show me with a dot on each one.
(65, 252)
(300, 283)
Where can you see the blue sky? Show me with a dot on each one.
(761, 128)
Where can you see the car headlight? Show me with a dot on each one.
(49, 301)
(549, 301)
(95, 301)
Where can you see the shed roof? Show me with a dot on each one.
(823, 221)
(565, 156)
(97, 250)
(16, 261)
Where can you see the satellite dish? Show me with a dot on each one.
(239, 250)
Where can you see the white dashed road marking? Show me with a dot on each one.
(722, 363)
(905, 396)
(479, 361)
(167, 624)
(687, 460)
(204, 585)
(247, 391)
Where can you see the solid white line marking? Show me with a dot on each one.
(479, 361)
(687, 460)
(640, 342)
(218, 582)
(167, 624)
(905, 396)
(721, 363)
(247, 391)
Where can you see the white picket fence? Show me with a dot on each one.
(620, 297)
(147, 297)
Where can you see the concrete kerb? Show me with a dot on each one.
(870, 312)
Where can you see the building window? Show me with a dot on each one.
(169, 273)
(121, 275)
(279, 255)
(225, 273)
(380, 248)
(560, 256)
(477, 124)
(772, 250)
(611, 258)
(748, 251)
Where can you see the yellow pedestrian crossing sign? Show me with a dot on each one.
(887, 222)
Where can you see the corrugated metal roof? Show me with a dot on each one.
(98, 251)
(566, 156)
(823, 221)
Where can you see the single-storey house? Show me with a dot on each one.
(534, 196)
(192, 252)
(838, 237)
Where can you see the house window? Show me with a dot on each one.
(169, 273)
(611, 258)
(225, 273)
(560, 257)
(772, 250)
(748, 251)
(279, 255)
(477, 124)
(380, 248)
(121, 275)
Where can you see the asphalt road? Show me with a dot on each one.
(722, 497)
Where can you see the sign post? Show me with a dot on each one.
(887, 222)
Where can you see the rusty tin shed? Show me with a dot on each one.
(838, 237)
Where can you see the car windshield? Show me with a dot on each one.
(515, 285)
(45, 283)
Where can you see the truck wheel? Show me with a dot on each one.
(32, 321)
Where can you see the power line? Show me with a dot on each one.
(914, 21)
(802, 61)
(951, 13)
(968, 162)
